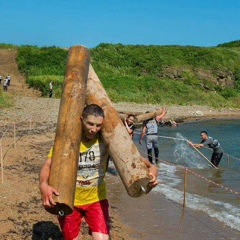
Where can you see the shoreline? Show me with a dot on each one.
(180, 113)
(48, 108)
(153, 216)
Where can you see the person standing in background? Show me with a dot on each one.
(128, 122)
(150, 128)
(9, 79)
(50, 89)
(208, 141)
(5, 85)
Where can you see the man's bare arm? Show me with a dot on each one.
(163, 113)
(46, 190)
(153, 172)
(144, 129)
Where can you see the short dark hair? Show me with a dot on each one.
(204, 132)
(94, 110)
(131, 115)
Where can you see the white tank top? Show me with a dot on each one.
(152, 127)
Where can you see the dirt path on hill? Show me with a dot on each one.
(8, 66)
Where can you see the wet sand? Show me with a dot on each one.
(153, 217)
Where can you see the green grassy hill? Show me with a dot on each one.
(166, 75)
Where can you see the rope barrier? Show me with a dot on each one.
(8, 127)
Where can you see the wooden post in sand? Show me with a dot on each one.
(185, 187)
(14, 135)
(1, 158)
(122, 150)
(30, 123)
(69, 129)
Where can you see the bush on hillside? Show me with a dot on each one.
(42, 83)
(136, 73)
(7, 46)
(5, 100)
(231, 44)
(35, 61)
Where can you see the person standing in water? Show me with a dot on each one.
(208, 141)
(150, 128)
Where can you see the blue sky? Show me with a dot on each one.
(65, 23)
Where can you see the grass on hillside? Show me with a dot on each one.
(135, 73)
(5, 100)
(7, 46)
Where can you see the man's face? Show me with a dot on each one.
(130, 120)
(91, 126)
(203, 136)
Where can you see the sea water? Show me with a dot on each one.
(213, 191)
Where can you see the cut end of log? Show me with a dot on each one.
(139, 188)
(60, 209)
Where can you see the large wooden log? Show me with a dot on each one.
(69, 129)
(123, 152)
(127, 112)
(146, 116)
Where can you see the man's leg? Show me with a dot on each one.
(149, 151)
(149, 147)
(99, 236)
(155, 146)
(70, 224)
(98, 220)
(156, 152)
(216, 158)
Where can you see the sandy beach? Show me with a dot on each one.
(148, 217)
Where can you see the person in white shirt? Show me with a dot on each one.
(5, 85)
(9, 79)
(50, 89)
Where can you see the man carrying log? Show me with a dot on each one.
(150, 128)
(90, 195)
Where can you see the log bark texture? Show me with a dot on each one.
(145, 116)
(69, 129)
(123, 152)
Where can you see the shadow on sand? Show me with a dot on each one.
(46, 230)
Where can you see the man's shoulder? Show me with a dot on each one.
(150, 120)
(208, 140)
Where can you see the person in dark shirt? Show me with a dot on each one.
(208, 141)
